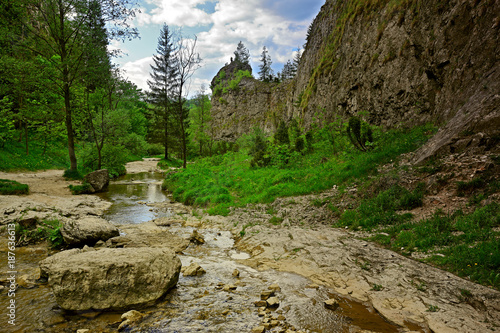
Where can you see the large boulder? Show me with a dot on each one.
(87, 230)
(110, 278)
(99, 180)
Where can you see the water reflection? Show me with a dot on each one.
(130, 195)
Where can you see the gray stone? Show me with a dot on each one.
(331, 304)
(87, 230)
(111, 278)
(193, 270)
(99, 180)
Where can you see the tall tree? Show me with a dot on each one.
(58, 29)
(199, 122)
(266, 72)
(242, 54)
(188, 61)
(296, 61)
(163, 83)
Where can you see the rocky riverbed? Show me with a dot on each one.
(299, 267)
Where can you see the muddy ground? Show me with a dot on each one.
(401, 289)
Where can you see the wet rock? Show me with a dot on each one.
(87, 230)
(274, 287)
(266, 294)
(197, 238)
(258, 329)
(273, 302)
(148, 234)
(29, 222)
(26, 281)
(229, 287)
(163, 222)
(331, 304)
(129, 318)
(111, 278)
(99, 180)
(260, 303)
(117, 242)
(313, 286)
(193, 270)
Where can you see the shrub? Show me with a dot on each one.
(48, 230)
(281, 136)
(72, 174)
(11, 187)
(85, 188)
(299, 144)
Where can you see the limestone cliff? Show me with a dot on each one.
(400, 63)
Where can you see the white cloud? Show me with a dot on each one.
(257, 23)
(175, 12)
(138, 72)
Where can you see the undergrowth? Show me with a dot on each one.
(11, 187)
(47, 230)
(229, 180)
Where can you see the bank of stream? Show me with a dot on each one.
(218, 301)
(310, 263)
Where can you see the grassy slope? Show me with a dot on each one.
(467, 245)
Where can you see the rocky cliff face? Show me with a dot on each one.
(398, 64)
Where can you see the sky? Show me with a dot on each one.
(279, 25)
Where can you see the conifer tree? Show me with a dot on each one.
(266, 73)
(163, 83)
(242, 54)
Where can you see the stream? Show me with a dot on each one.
(200, 303)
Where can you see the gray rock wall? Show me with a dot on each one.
(421, 62)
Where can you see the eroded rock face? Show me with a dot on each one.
(87, 230)
(400, 67)
(99, 180)
(111, 278)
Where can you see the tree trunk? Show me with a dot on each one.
(166, 134)
(69, 127)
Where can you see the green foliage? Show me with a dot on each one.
(381, 209)
(72, 174)
(47, 230)
(467, 244)
(11, 187)
(281, 136)
(299, 144)
(223, 86)
(361, 139)
(84, 188)
(42, 155)
(233, 179)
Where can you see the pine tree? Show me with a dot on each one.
(296, 61)
(266, 73)
(163, 81)
(242, 54)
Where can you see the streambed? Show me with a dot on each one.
(197, 304)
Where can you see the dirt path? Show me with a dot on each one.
(401, 289)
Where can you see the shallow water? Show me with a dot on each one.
(199, 304)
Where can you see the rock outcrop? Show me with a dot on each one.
(398, 64)
(87, 231)
(110, 278)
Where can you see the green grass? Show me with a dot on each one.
(48, 230)
(11, 187)
(467, 245)
(13, 156)
(172, 162)
(222, 181)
